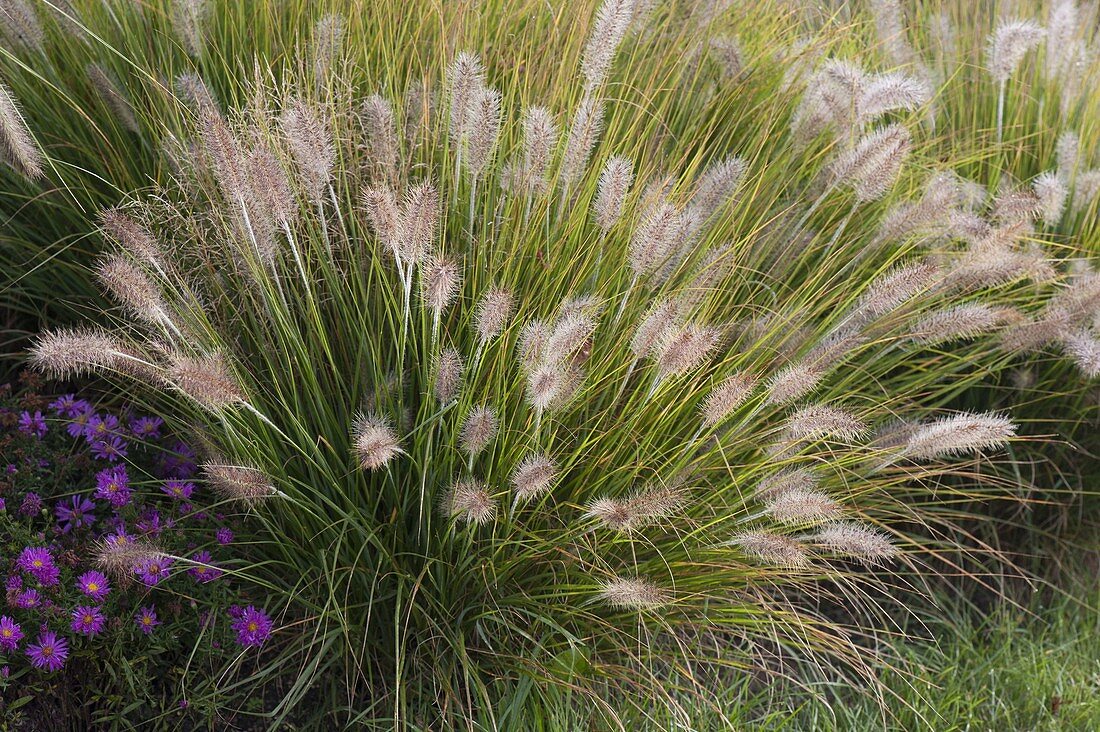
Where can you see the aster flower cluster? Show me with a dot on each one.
(99, 515)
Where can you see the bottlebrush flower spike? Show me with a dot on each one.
(236, 482)
(16, 141)
(860, 542)
(418, 226)
(724, 399)
(776, 549)
(439, 283)
(65, 353)
(128, 284)
(655, 239)
(464, 76)
(884, 93)
(959, 434)
(1008, 45)
(685, 349)
(958, 323)
(131, 236)
(533, 477)
(118, 554)
(1084, 349)
(615, 182)
(374, 442)
(872, 166)
(717, 186)
(448, 375)
(20, 26)
(643, 508)
(311, 145)
(478, 430)
(384, 216)
(901, 284)
(327, 44)
(612, 22)
(801, 506)
(482, 129)
(1052, 194)
(189, 19)
(659, 323)
(206, 379)
(822, 421)
(633, 594)
(580, 141)
(469, 501)
(540, 137)
(493, 313)
(380, 126)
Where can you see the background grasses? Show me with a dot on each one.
(364, 552)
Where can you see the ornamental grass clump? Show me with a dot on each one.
(522, 415)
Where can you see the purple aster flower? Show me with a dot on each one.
(88, 620)
(14, 583)
(32, 504)
(204, 572)
(224, 535)
(150, 523)
(94, 584)
(63, 405)
(152, 571)
(77, 513)
(109, 448)
(50, 652)
(119, 538)
(10, 634)
(179, 462)
(27, 599)
(38, 562)
(100, 428)
(146, 619)
(252, 626)
(81, 415)
(113, 485)
(3, 505)
(146, 428)
(33, 424)
(178, 489)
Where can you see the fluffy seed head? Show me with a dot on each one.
(20, 26)
(533, 477)
(889, 291)
(270, 185)
(685, 349)
(1052, 193)
(188, 20)
(16, 142)
(581, 139)
(569, 338)
(821, 421)
(770, 548)
(482, 129)
(439, 283)
(889, 92)
(206, 379)
(540, 136)
(469, 501)
(717, 185)
(633, 594)
(794, 382)
(380, 126)
(130, 235)
(448, 375)
(615, 181)
(547, 385)
(532, 343)
(1016, 206)
(65, 353)
(327, 44)
(236, 482)
(612, 21)
(129, 284)
(1067, 154)
(419, 223)
(478, 430)
(119, 555)
(311, 144)
(856, 540)
(384, 216)
(642, 509)
(374, 442)
(655, 239)
(1009, 44)
(725, 398)
(464, 76)
(960, 434)
(1084, 349)
(872, 166)
(659, 323)
(801, 506)
(960, 322)
(494, 312)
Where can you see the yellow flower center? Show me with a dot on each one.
(47, 650)
(93, 587)
(253, 627)
(37, 562)
(6, 632)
